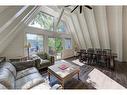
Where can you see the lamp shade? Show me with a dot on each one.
(28, 45)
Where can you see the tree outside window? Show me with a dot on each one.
(43, 20)
(46, 22)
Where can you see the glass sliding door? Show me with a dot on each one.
(55, 47)
(58, 46)
(51, 46)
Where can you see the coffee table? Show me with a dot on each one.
(63, 74)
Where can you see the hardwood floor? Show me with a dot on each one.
(119, 75)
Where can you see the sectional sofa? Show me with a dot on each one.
(21, 75)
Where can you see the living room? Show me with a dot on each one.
(63, 47)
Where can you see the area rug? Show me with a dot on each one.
(77, 62)
(74, 83)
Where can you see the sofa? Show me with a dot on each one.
(45, 60)
(2, 59)
(21, 75)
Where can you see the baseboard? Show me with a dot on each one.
(68, 57)
(121, 61)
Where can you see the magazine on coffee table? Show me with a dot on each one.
(63, 66)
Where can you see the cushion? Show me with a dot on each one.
(46, 85)
(2, 86)
(57, 86)
(42, 55)
(33, 83)
(24, 64)
(29, 81)
(34, 56)
(43, 85)
(10, 67)
(26, 72)
(44, 61)
(6, 78)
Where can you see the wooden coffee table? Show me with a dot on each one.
(63, 75)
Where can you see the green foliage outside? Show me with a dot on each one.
(58, 44)
(55, 43)
(45, 21)
(51, 42)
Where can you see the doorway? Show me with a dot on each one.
(55, 47)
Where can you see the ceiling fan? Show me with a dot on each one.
(80, 6)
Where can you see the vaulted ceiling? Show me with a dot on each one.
(101, 27)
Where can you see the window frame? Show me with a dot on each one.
(65, 43)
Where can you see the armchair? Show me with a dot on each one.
(45, 60)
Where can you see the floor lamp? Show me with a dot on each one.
(28, 46)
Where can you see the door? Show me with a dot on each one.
(55, 47)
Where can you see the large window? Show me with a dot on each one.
(61, 27)
(36, 42)
(68, 43)
(43, 20)
(47, 22)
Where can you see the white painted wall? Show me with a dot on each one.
(78, 30)
(10, 31)
(125, 33)
(85, 31)
(11, 38)
(16, 48)
(91, 25)
(102, 28)
(114, 20)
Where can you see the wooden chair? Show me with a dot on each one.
(107, 53)
(90, 55)
(82, 55)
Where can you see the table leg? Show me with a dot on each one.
(48, 75)
(78, 76)
(62, 83)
